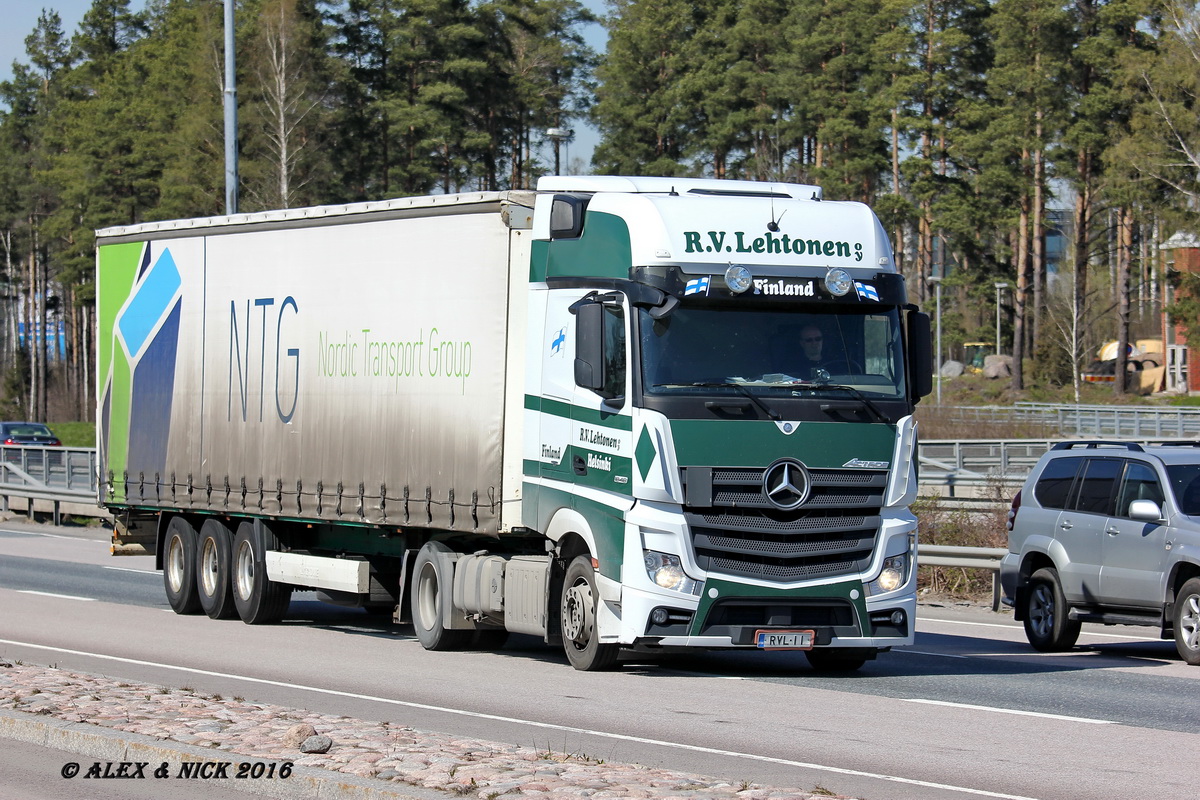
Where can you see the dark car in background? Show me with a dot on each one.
(27, 434)
(17, 437)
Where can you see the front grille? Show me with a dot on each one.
(736, 530)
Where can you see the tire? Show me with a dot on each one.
(258, 599)
(1186, 619)
(179, 567)
(431, 588)
(578, 614)
(832, 660)
(214, 570)
(1047, 626)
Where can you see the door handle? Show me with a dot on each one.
(579, 465)
(1066, 525)
(1113, 531)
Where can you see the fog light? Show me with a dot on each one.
(659, 616)
(897, 618)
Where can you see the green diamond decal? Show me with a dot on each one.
(645, 452)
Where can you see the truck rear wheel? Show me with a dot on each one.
(432, 588)
(259, 600)
(214, 570)
(580, 599)
(1187, 622)
(179, 567)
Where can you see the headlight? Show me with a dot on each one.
(667, 572)
(891, 577)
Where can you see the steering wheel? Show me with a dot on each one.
(843, 366)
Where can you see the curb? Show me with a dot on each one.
(305, 783)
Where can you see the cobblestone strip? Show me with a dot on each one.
(378, 750)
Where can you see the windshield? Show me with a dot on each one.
(774, 352)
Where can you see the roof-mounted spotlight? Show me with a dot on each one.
(838, 282)
(738, 279)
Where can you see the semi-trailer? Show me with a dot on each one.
(590, 413)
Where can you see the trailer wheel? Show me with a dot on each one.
(259, 600)
(432, 589)
(579, 602)
(214, 569)
(179, 567)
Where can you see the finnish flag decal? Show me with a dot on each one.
(696, 286)
(866, 291)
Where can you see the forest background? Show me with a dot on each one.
(979, 131)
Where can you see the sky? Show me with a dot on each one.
(20, 16)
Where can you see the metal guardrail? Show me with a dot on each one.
(68, 475)
(936, 555)
(56, 475)
(1116, 421)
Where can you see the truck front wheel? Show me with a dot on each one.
(1187, 622)
(258, 599)
(580, 600)
(179, 567)
(214, 570)
(432, 588)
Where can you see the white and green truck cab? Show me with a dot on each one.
(582, 413)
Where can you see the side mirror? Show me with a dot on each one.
(1145, 511)
(589, 346)
(920, 353)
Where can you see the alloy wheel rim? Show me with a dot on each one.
(1041, 611)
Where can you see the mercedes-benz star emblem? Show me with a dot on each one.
(786, 484)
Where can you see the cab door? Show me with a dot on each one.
(602, 447)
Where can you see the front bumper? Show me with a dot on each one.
(729, 614)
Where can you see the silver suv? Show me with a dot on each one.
(1107, 532)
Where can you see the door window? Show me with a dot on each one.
(1097, 486)
(1141, 483)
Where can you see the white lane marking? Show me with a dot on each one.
(514, 720)
(1018, 627)
(906, 651)
(131, 569)
(50, 536)
(61, 596)
(1011, 711)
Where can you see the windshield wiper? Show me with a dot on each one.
(866, 401)
(775, 415)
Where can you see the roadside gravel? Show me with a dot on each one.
(391, 756)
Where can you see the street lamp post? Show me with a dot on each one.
(558, 135)
(999, 285)
(936, 280)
